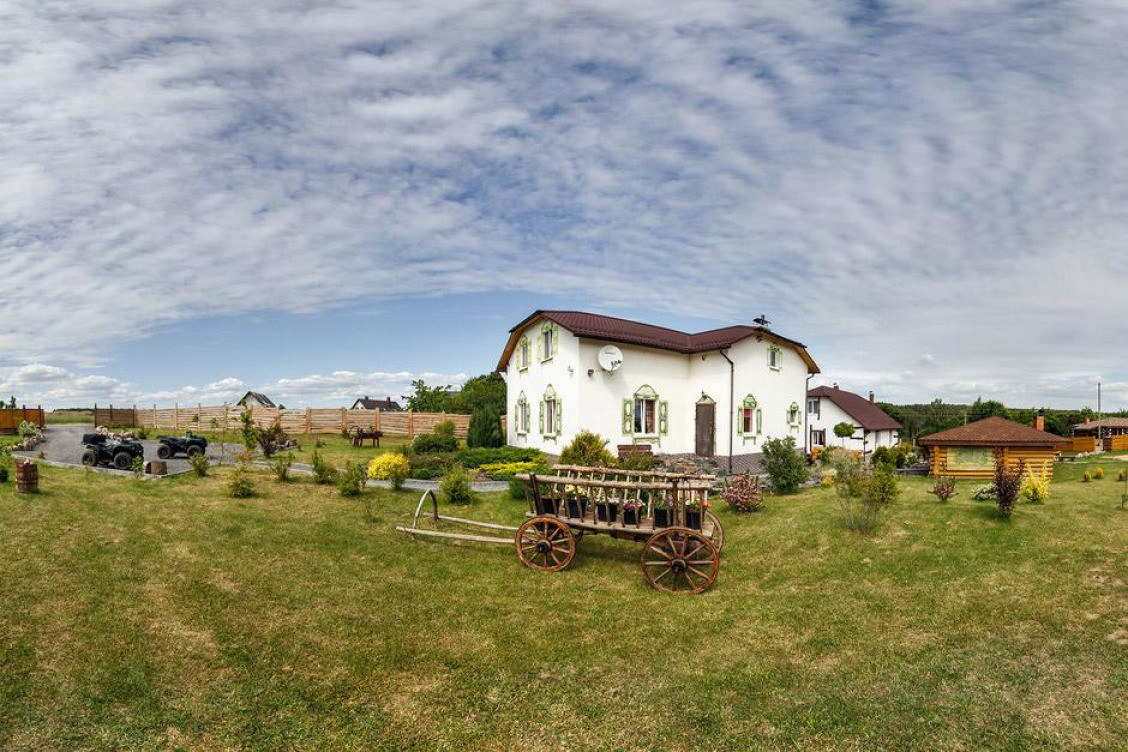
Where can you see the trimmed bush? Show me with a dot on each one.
(485, 429)
(785, 466)
(428, 466)
(477, 456)
(455, 488)
(1086, 477)
(588, 450)
(1035, 488)
(506, 470)
(430, 443)
(391, 466)
(1098, 473)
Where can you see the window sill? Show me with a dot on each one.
(546, 360)
(522, 369)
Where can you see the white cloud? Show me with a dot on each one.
(54, 386)
(943, 176)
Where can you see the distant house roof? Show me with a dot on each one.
(389, 404)
(867, 415)
(611, 329)
(993, 432)
(258, 397)
(1092, 425)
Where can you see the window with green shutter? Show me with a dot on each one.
(628, 416)
(775, 358)
(645, 419)
(549, 342)
(521, 418)
(746, 424)
(793, 415)
(550, 413)
(523, 354)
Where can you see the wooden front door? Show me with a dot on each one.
(706, 429)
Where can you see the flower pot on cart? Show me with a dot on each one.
(661, 518)
(630, 516)
(693, 518)
(606, 512)
(577, 508)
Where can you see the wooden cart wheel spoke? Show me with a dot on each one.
(545, 543)
(689, 563)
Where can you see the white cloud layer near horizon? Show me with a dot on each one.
(57, 387)
(932, 195)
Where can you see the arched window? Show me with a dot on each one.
(523, 349)
(645, 415)
(550, 413)
(749, 418)
(793, 414)
(521, 416)
(548, 342)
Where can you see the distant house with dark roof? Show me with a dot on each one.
(969, 451)
(256, 398)
(385, 405)
(716, 394)
(827, 406)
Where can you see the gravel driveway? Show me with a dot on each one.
(63, 443)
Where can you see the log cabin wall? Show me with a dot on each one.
(1039, 460)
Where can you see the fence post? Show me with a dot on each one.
(344, 421)
(410, 424)
(376, 420)
(309, 421)
(176, 415)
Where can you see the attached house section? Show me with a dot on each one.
(712, 394)
(829, 406)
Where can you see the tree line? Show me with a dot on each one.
(923, 419)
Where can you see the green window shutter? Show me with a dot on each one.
(628, 416)
(540, 348)
(759, 421)
(662, 422)
(559, 414)
(555, 340)
(740, 420)
(542, 417)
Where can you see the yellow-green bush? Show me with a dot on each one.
(1086, 477)
(506, 470)
(391, 466)
(1098, 473)
(1035, 488)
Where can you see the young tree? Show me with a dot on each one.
(786, 467)
(12, 403)
(429, 399)
(844, 431)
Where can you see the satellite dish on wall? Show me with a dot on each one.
(610, 358)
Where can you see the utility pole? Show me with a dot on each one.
(1099, 444)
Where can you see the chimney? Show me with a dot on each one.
(871, 397)
(836, 385)
(1040, 421)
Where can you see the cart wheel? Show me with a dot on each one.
(680, 560)
(545, 543)
(718, 536)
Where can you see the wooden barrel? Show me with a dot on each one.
(27, 477)
(156, 467)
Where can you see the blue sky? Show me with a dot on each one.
(322, 200)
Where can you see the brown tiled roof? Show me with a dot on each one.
(993, 432)
(611, 329)
(1093, 425)
(868, 415)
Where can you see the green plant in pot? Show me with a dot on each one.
(607, 509)
(661, 511)
(632, 512)
(694, 511)
(576, 501)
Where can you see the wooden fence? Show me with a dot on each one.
(1116, 443)
(308, 420)
(115, 416)
(1084, 444)
(10, 419)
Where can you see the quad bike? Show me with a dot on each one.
(102, 451)
(189, 444)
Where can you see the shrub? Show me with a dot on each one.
(984, 493)
(785, 466)
(588, 450)
(247, 428)
(239, 483)
(323, 471)
(455, 488)
(427, 443)
(743, 493)
(881, 487)
(477, 456)
(270, 439)
(844, 430)
(27, 429)
(444, 428)
(517, 489)
(506, 470)
(1008, 484)
(137, 467)
(485, 429)
(199, 465)
(391, 466)
(3, 474)
(944, 488)
(350, 481)
(859, 514)
(1098, 473)
(1035, 488)
(1086, 477)
(1122, 476)
(827, 480)
(638, 462)
(280, 466)
(428, 466)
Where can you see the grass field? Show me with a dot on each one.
(335, 448)
(163, 614)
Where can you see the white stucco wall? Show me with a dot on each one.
(595, 402)
(830, 415)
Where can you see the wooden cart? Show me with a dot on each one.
(682, 538)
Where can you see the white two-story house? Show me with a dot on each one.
(828, 406)
(715, 394)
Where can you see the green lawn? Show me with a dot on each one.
(162, 614)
